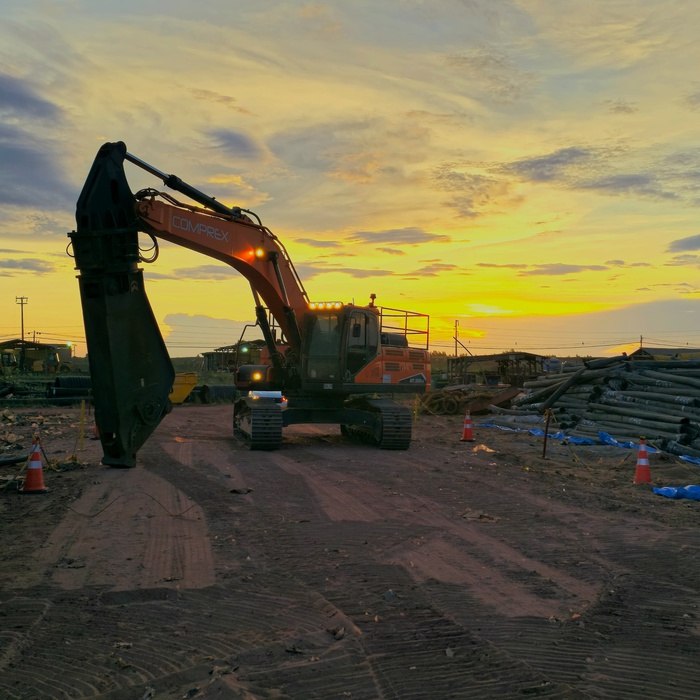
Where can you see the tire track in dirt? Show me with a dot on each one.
(604, 554)
(122, 530)
(314, 598)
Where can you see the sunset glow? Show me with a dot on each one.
(525, 172)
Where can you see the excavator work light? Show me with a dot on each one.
(320, 305)
(257, 376)
(259, 252)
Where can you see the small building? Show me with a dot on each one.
(511, 368)
(666, 354)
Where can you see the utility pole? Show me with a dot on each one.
(456, 334)
(21, 301)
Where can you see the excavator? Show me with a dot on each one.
(323, 362)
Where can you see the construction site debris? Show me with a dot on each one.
(452, 400)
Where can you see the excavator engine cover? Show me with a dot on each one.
(131, 372)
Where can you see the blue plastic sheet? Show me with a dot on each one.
(603, 438)
(692, 492)
(608, 439)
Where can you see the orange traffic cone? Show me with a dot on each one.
(34, 482)
(642, 474)
(467, 435)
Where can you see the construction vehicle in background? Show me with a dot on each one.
(9, 362)
(326, 362)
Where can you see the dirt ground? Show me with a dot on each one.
(330, 569)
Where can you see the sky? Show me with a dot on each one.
(525, 172)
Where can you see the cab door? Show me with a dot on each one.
(362, 340)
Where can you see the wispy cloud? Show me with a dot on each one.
(200, 273)
(316, 243)
(561, 269)
(549, 167)
(620, 107)
(400, 236)
(308, 271)
(12, 267)
(506, 266)
(472, 194)
(494, 72)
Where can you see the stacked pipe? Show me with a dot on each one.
(69, 389)
(625, 398)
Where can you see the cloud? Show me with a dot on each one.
(620, 106)
(622, 263)
(315, 243)
(308, 148)
(630, 183)
(201, 272)
(18, 100)
(217, 98)
(495, 73)
(553, 166)
(235, 144)
(560, 269)
(507, 266)
(434, 270)
(692, 100)
(34, 180)
(307, 271)
(472, 193)
(686, 260)
(399, 236)
(613, 170)
(41, 267)
(688, 243)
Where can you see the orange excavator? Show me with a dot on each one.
(324, 362)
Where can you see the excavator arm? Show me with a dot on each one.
(132, 375)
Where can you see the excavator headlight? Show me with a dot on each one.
(259, 252)
(257, 376)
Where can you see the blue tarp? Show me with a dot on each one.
(603, 438)
(692, 492)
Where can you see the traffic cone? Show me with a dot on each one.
(34, 482)
(467, 435)
(642, 474)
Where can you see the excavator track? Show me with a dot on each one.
(391, 429)
(396, 428)
(259, 425)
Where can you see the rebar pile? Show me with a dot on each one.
(628, 399)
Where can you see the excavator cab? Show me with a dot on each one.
(321, 353)
(338, 343)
